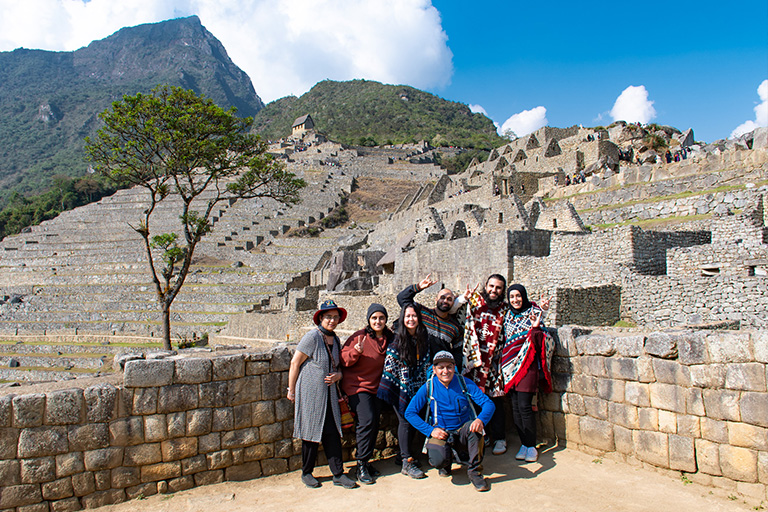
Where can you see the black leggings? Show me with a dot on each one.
(405, 434)
(524, 417)
(331, 444)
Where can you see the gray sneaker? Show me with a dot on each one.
(410, 469)
(481, 485)
(344, 481)
(310, 481)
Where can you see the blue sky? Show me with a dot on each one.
(685, 64)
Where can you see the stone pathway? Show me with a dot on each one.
(562, 480)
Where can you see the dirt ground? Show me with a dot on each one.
(563, 479)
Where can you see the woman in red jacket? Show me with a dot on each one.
(363, 359)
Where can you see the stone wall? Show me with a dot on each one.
(170, 425)
(688, 401)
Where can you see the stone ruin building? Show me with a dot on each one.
(685, 391)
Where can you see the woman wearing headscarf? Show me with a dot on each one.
(406, 367)
(312, 386)
(525, 361)
(363, 359)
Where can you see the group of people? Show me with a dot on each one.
(578, 177)
(445, 374)
(681, 154)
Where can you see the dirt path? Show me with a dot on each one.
(563, 480)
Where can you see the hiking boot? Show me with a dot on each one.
(372, 469)
(444, 472)
(363, 474)
(410, 469)
(521, 453)
(499, 447)
(478, 481)
(344, 481)
(310, 481)
(531, 455)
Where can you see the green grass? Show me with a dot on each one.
(624, 323)
(653, 222)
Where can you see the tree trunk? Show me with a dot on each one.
(166, 312)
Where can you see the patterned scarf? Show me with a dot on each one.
(521, 344)
(482, 333)
(398, 382)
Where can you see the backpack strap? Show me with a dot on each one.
(463, 385)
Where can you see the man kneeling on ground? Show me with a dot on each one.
(455, 427)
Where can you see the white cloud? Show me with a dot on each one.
(285, 47)
(633, 105)
(761, 113)
(478, 109)
(524, 122)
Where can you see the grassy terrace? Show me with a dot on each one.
(666, 221)
(81, 344)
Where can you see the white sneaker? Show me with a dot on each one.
(531, 454)
(521, 453)
(499, 447)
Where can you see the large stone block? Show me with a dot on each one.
(595, 344)
(623, 415)
(281, 359)
(219, 460)
(42, 441)
(710, 376)
(667, 396)
(90, 436)
(214, 394)
(209, 442)
(9, 440)
(223, 419)
(256, 367)
(271, 386)
(6, 411)
(28, 410)
(637, 394)
(259, 452)
(67, 464)
(141, 491)
(692, 348)
(596, 433)
(125, 477)
(242, 415)
(263, 413)
(584, 385)
(648, 418)
(652, 447)
(623, 368)
(662, 344)
(199, 422)
(730, 347)
(245, 390)
(58, 489)
(270, 433)
(738, 463)
(682, 456)
(100, 403)
(142, 454)
(596, 407)
(104, 458)
(760, 343)
(722, 404)
(83, 483)
(762, 467)
(754, 408)
(10, 472)
(594, 365)
(145, 401)
(64, 407)
(20, 495)
(194, 465)
(745, 376)
(127, 431)
(228, 367)
(694, 401)
(671, 372)
(34, 471)
(714, 430)
(572, 428)
(192, 370)
(177, 424)
(565, 340)
(747, 436)
(66, 505)
(274, 466)
(177, 449)
(155, 428)
(160, 471)
(103, 498)
(645, 369)
(215, 476)
(181, 484)
(148, 373)
(243, 472)
(178, 397)
(689, 426)
(240, 438)
(284, 407)
(622, 438)
(708, 457)
(629, 346)
(667, 422)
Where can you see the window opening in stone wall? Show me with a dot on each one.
(710, 271)
(757, 271)
(501, 217)
(554, 223)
